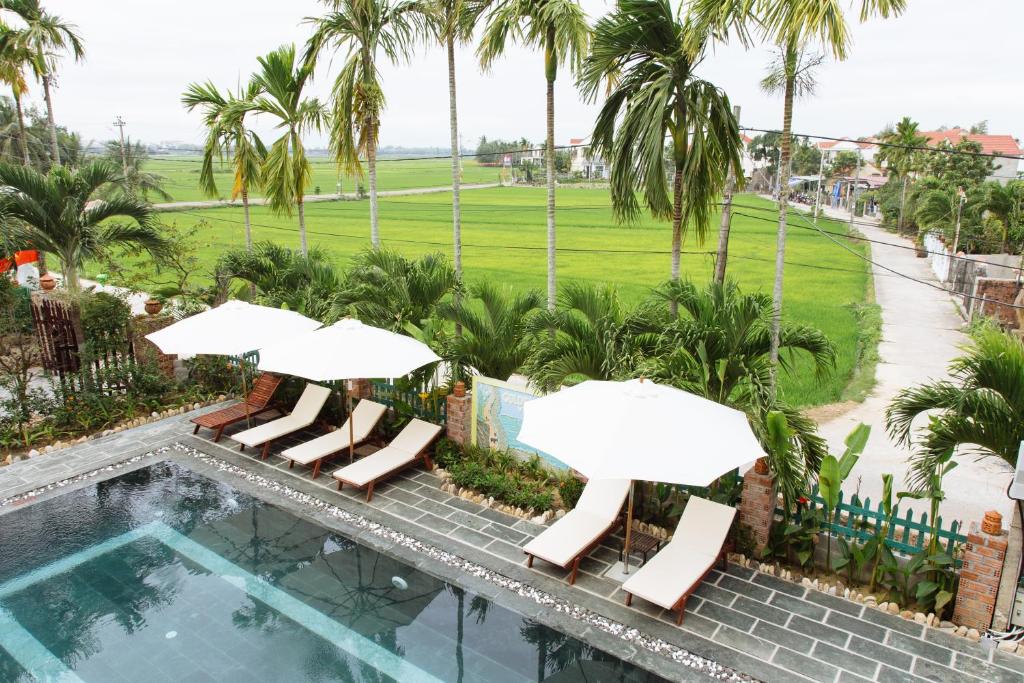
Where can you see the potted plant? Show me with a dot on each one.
(48, 282)
(154, 305)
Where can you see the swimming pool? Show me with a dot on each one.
(162, 574)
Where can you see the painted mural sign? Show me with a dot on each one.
(498, 416)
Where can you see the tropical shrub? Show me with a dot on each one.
(499, 474)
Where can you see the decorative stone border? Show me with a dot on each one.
(615, 628)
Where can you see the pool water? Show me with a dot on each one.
(162, 574)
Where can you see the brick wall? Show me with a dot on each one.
(982, 569)
(996, 292)
(757, 506)
(361, 388)
(147, 351)
(460, 414)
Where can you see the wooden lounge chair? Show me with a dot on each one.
(673, 574)
(366, 414)
(409, 446)
(256, 402)
(597, 513)
(306, 409)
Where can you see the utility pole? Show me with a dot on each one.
(961, 200)
(726, 224)
(853, 192)
(817, 190)
(120, 123)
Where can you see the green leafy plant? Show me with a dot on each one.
(570, 488)
(833, 473)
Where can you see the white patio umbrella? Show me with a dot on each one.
(639, 430)
(231, 329)
(347, 350)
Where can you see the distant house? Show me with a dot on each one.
(867, 148)
(747, 159)
(584, 163)
(1005, 169)
(534, 155)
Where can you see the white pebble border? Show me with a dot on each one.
(581, 614)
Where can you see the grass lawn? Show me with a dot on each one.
(181, 175)
(504, 239)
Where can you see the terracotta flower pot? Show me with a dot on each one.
(47, 282)
(761, 466)
(154, 306)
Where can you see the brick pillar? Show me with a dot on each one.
(982, 569)
(147, 351)
(361, 388)
(757, 504)
(460, 414)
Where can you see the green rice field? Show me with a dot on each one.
(181, 176)
(504, 240)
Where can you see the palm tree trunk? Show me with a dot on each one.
(903, 199)
(54, 146)
(371, 164)
(677, 229)
(302, 226)
(550, 149)
(248, 224)
(22, 134)
(780, 246)
(726, 225)
(453, 125)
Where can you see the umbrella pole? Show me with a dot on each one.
(629, 529)
(245, 391)
(351, 429)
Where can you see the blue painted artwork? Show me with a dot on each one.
(498, 416)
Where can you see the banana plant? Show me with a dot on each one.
(833, 473)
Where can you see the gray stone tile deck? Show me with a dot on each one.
(757, 624)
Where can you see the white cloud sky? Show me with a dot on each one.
(944, 62)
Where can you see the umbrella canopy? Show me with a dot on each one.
(347, 349)
(639, 430)
(231, 329)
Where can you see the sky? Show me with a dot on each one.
(944, 62)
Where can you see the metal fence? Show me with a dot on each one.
(429, 406)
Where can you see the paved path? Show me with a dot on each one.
(313, 198)
(921, 333)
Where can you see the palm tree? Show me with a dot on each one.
(1006, 204)
(793, 26)
(134, 178)
(276, 90)
(560, 28)
(13, 59)
(362, 28)
(980, 408)
(385, 289)
(650, 56)
(226, 134)
(451, 22)
(901, 156)
(591, 335)
(44, 36)
(494, 321)
(59, 213)
(282, 277)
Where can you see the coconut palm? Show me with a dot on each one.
(980, 410)
(277, 91)
(385, 289)
(226, 134)
(494, 322)
(642, 48)
(591, 335)
(135, 179)
(451, 22)
(793, 26)
(365, 30)
(60, 213)
(559, 27)
(15, 145)
(900, 155)
(43, 36)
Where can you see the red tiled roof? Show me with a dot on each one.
(746, 138)
(576, 141)
(863, 144)
(990, 144)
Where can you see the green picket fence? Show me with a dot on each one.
(861, 518)
(432, 409)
